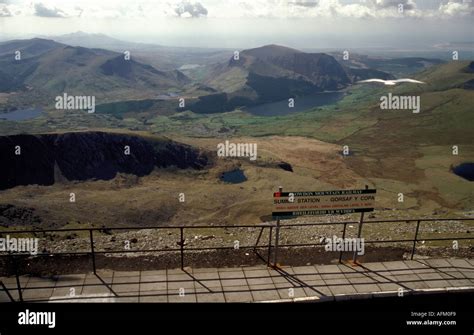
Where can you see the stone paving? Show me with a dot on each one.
(249, 284)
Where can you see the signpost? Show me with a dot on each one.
(287, 205)
(292, 204)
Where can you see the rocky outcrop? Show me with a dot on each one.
(37, 159)
(285, 166)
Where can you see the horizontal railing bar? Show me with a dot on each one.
(421, 239)
(256, 226)
(263, 246)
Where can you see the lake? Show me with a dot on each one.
(465, 170)
(21, 114)
(301, 104)
(233, 177)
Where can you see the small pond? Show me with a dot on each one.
(465, 170)
(233, 177)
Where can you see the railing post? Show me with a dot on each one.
(18, 284)
(182, 246)
(269, 245)
(359, 234)
(277, 236)
(361, 222)
(343, 237)
(415, 240)
(91, 236)
(258, 239)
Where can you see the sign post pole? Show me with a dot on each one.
(277, 236)
(361, 222)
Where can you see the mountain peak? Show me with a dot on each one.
(77, 33)
(87, 40)
(29, 47)
(42, 40)
(81, 33)
(270, 50)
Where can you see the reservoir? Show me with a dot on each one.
(301, 104)
(21, 114)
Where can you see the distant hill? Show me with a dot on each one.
(28, 48)
(397, 66)
(443, 77)
(87, 40)
(360, 74)
(54, 68)
(160, 56)
(292, 71)
(272, 73)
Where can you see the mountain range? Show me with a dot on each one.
(269, 73)
(163, 57)
(272, 73)
(54, 68)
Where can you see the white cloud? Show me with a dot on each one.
(43, 11)
(4, 11)
(457, 8)
(407, 4)
(151, 9)
(311, 8)
(189, 9)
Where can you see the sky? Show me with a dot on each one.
(246, 23)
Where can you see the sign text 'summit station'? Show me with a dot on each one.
(290, 204)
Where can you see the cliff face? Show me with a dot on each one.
(88, 155)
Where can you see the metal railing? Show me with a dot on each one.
(270, 247)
